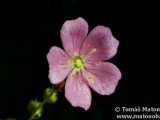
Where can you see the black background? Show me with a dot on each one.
(29, 28)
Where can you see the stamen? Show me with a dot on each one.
(99, 62)
(69, 62)
(73, 76)
(69, 51)
(91, 77)
(93, 50)
(88, 45)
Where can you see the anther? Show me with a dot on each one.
(73, 76)
(88, 45)
(93, 50)
(69, 51)
(91, 77)
(69, 62)
(99, 62)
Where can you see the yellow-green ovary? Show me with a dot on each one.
(78, 63)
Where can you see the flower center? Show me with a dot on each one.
(78, 62)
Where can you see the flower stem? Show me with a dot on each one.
(41, 105)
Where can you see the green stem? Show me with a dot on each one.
(41, 105)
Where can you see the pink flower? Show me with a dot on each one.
(82, 62)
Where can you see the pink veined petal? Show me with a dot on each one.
(73, 33)
(77, 91)
(101, 39)
(59, 69)
(105, 77)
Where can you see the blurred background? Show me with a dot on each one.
(29, 28)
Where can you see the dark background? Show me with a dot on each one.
(29, 28)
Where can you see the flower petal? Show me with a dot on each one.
(100, 45)
(103, 78)
(77, 91)
(73, 33)
(59, 69)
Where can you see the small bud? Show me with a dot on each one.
(33, 105)
(53, 98)
(50, 98)
(60, 85)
